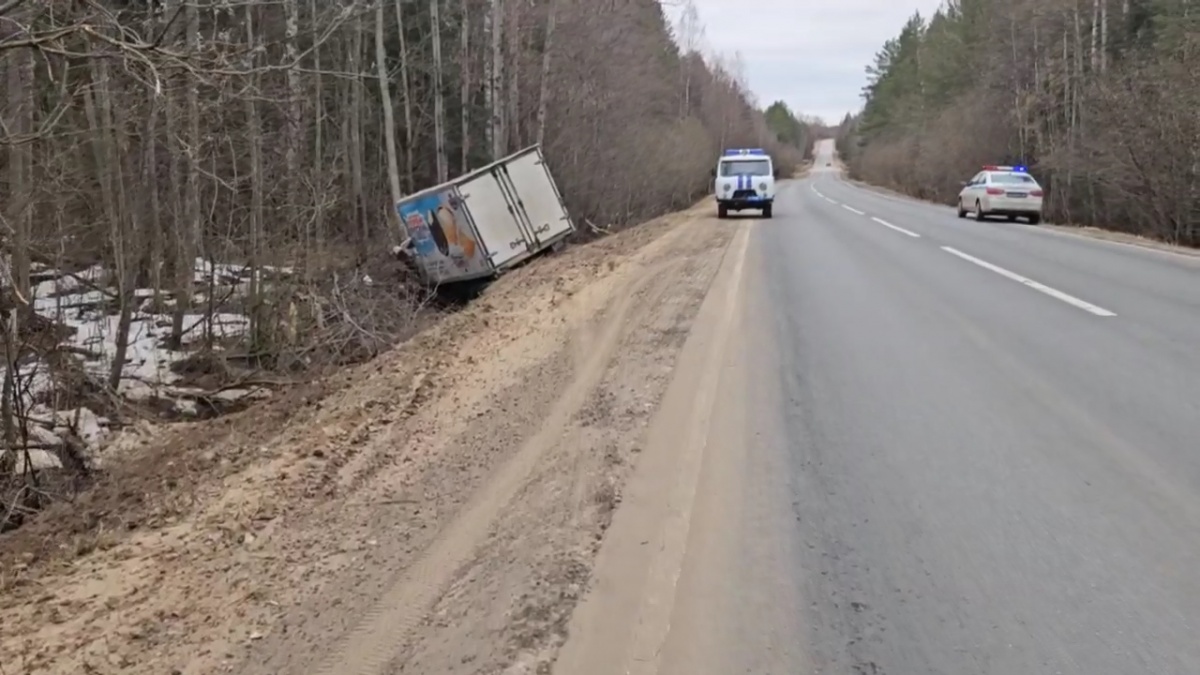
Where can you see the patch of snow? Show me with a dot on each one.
(235, 395)
(187, 406)
(39, 459)
(83, 303)
(40, 435)
(86, 425)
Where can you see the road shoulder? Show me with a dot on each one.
(439, 512)
(623, 624)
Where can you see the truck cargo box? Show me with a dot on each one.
(486, 221)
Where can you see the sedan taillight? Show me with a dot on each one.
(995, 191)
(1036, 193)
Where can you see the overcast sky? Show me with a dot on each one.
(808, 53)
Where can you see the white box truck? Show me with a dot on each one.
(485, 222)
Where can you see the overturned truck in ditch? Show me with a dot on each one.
(471, 229)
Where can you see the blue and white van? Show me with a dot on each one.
(744, 180)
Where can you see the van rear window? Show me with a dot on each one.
(746, 167)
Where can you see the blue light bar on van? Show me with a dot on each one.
(744, 151)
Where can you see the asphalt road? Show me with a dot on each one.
(964, 448)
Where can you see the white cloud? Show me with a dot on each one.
(810, 54)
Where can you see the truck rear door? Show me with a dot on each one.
(538, 195)
(493, 215)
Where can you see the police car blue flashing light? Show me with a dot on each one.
(1014, 169)
(744, 151)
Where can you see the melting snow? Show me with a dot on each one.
(86, 303)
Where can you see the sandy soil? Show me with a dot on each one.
(436, 510)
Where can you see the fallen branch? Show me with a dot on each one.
(596, 228)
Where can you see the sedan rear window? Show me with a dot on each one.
(1013, 178)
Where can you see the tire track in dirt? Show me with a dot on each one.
(491, 393)
(508, 608)
(623, 624)
(370, 646)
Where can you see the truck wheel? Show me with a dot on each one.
(722, 211)
(766, 212)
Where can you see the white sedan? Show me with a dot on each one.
(1002, 191)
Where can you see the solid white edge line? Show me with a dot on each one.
(1054, 293)
(853, 210)
(830, 200)
(901, 230)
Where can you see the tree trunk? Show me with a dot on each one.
(293, 115)
(406, 94)
(20, 164)
(189, 237)
(315, 239)
(154, 228)
(464, 60)
(10, 402)
(355, 151)
(439, 95)
(389, 117)
(513, 70)
(544, 92)
(1103, 36)
(110, 164)
(254, 136)
(498, 126)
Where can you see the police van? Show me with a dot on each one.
(744, 180)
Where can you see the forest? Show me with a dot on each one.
(1097, 97)
(197, 193)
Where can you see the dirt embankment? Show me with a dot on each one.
(436, 510)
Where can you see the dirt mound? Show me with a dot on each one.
(436, 508)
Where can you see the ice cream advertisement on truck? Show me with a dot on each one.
(484, 222)
(442, 236)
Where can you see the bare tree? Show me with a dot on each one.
(544, 85)
(293, 107)
(389, 117)
(690, 34)
(354, 138)
(254, 133)
(439, 95)
(464, 67)
(406, 92)
(496, 78)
